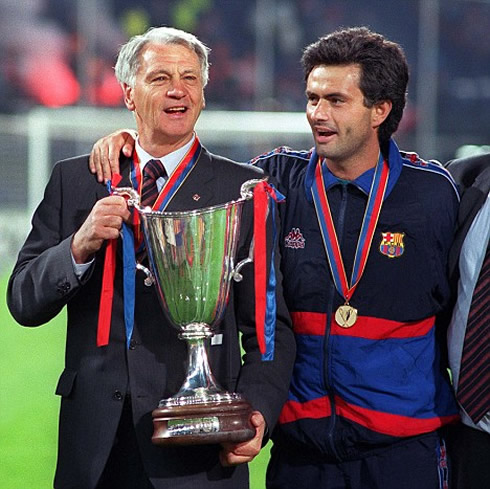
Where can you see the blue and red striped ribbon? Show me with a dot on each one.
(329, 235)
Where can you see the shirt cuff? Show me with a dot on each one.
(81, 268)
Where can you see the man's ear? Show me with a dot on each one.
(381, 111)
(128, 96)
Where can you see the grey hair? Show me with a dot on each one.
(128, 60)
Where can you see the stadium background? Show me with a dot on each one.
(58, 95)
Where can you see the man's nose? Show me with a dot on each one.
(321, 111)
(176, 89)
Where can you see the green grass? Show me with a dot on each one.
(31, 360)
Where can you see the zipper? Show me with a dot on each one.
(339, 228)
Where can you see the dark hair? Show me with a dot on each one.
(384, 69)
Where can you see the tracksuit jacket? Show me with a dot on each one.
(359, 389)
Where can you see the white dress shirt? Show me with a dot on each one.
(170, 161)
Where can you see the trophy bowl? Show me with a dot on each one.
(192, 261)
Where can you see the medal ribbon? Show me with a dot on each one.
(107, 292)
(265, 291)
(136, 179)
(178, 176)
(133, 242)
(329, 235)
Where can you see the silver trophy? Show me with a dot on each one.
(192, 261)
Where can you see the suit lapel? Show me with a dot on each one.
(125, 170)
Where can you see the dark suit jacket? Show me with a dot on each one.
(472, 175)
(95, 380)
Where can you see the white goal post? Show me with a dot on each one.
(261, 130)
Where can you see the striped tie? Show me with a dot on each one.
(474, 378)
(152, 171)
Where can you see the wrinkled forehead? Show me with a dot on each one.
(169, 57)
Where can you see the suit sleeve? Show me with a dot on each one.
(265, 383)
(43, 279)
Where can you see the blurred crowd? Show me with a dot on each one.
(61, 52)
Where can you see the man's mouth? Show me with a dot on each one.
(176, 110)
(325, 133)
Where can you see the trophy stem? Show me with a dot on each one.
(200, 382)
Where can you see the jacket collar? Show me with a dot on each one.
(363, 182)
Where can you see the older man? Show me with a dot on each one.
(116, 373)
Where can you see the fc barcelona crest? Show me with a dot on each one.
(392, 244)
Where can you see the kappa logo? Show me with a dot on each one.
(392, 244)
(294, 239)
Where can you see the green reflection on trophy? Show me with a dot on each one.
(191, 256)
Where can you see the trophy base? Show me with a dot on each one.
(202, 423)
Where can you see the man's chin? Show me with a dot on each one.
(323, 152)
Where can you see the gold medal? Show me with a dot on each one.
(346, 316)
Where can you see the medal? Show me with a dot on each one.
(346, 315)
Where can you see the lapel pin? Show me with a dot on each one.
(196, 197)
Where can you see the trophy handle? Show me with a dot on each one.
(134, 198)
(246, 190)
(237, 276)
(246, 193)
(150, 279)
